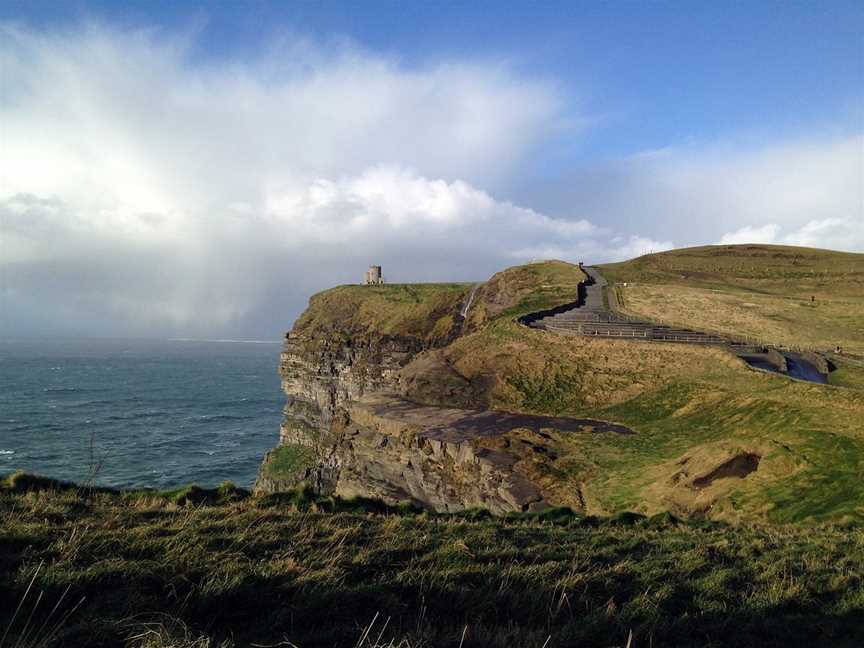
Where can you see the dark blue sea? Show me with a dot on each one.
(156, 413)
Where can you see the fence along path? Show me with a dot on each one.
(594, 315)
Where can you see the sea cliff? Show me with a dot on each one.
(358, 367)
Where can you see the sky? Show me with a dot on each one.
(200, 169)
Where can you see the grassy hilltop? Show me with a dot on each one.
(420, 310)
(699, 412)
(795, 296)
(714, 438)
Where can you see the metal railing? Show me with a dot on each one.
(566, 319)
(644, 334)
(737, 339)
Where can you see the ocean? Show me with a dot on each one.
(154, 414)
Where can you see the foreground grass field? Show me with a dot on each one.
(144, 569)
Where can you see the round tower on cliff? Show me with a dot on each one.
(373, 276)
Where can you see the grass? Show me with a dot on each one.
(686, 403)
(271, 570)
(683, 402)
(781, 295)
(690, 406)
(847, 375)
(527, 288)
(288, 460)
(425, 311)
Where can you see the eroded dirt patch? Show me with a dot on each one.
(738, 466)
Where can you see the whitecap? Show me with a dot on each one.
(7, 452)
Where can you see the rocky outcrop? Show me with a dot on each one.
(354, 370)
(321, 376)
(324, 371)
(348, 431)
(392, 450)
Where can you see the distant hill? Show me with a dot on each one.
(786, 295)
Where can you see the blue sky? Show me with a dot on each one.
(652, 73)
(443, 139)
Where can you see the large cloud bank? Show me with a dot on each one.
(146, 191)
(803, 191)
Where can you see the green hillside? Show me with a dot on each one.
(785, 295)
(695, 409)
(422, 310)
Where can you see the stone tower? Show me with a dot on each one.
(373, 276)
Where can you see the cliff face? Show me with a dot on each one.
(377, 408)
(396, 451)
(349, 342)
(321, 377)
(349, 430)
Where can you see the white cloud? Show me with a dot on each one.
(634, 246)
(829, 233)
(747, 234)
(832, 233)
(99, 104)
(394, 203)
(732, 192)
(145, 192)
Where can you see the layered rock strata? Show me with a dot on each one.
(354, 368)
(397, 451)
(348, 431)
(321, 377)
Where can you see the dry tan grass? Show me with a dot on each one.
(603, 372)
(782, 295)
(781, 320)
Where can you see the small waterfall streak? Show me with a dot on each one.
(467, 306)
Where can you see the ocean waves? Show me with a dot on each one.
(161, 414)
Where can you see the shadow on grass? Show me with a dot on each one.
(256, 572)
(259, 610)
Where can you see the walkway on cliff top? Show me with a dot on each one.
(592, 316)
